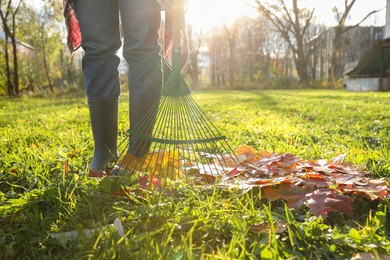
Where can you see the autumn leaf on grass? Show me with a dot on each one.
(314, 179)
(245, 149)
(195, 177)
(289, 160)
(293, 195)
(246, 153)
(233, 173)
(370, 192)
(321, 202)
(338, 159)
(268, 160)
(344, 169)
(350, 179)
(280, 227)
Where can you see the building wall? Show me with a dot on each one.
(356, 41)
(365, 84)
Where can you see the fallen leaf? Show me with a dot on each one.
(288, 160)
(233, 173)
(338, 159)
(293, 195)
(323, 201)
(315, 175)
(265, 227)
(66, 166)
(245, 149)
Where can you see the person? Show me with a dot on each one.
(99, 26)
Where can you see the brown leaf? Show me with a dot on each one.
(266, 160)
(289, 159)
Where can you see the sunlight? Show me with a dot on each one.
(206, 14)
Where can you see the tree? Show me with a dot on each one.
(340, 30)
(48, 17)
(231, 39)
(248, 54)
(292, 24)
(195, 42)
(8, 11)
(218, 59)
(50, 61)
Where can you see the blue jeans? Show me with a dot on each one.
(101, 38)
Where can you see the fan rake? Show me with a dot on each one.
(175, 138)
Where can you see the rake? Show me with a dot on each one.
(175, 138)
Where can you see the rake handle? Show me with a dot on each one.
(177, 13)
(175, 84)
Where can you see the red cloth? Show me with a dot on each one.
(72, 24)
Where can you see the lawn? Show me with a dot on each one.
(46, 145)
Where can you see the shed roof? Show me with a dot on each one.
(373, 62)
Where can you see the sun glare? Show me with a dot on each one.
(206, 14)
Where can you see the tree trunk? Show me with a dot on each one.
(10, 86)
(46, 67)
(15, 57)
(194, 73)
(194, 53)
(292, 24)
(302, 67)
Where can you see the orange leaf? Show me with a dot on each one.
(66, 166)
(262, 181)
(315, 175)
(245, 149)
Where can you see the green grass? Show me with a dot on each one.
(40, 136)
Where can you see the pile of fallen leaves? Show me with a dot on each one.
(320, 185)
(323, 186)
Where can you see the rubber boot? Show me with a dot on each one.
(142, 120)
(104, 122)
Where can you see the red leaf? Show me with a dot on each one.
(143, 181)
(233, 173)
(321, 202)
(383, 193)
(293, 195)
(148, 182)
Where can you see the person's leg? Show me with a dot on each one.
(99, 25)
(141, 22)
